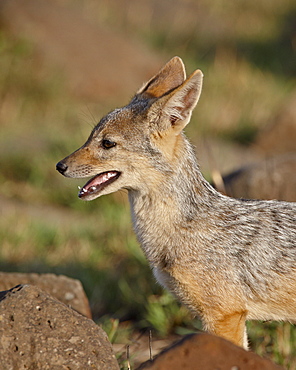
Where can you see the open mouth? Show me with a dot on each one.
(98, 183)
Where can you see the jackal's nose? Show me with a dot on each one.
(61, 167)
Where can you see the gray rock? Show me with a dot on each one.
(63, 288)
(39, 332)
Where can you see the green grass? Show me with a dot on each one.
(44, 227)
(274, 340)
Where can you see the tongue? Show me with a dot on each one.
(98, 182)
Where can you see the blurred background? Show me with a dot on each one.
(66, 63)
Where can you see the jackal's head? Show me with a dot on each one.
(134, 147)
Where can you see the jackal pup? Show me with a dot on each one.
(229, 260)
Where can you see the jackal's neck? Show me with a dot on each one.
(183, 200)
(188, 185)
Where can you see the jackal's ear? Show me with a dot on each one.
(168, 78)
(180, 103)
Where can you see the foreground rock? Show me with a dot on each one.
(39, 332)
(63, 288)
(207, 352)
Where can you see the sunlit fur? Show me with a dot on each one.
(228, 260)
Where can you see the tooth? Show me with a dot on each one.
(79, 187)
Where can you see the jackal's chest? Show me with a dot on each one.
(183, 285)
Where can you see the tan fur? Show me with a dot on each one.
(227, 259)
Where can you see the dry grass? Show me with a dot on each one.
(45, 228)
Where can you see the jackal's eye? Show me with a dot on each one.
(107, 144)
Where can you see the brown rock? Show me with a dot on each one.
(207, 352)
(273, 178)
(39, 332)
(63, 288)
(279, 136)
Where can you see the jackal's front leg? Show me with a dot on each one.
(229, 326)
